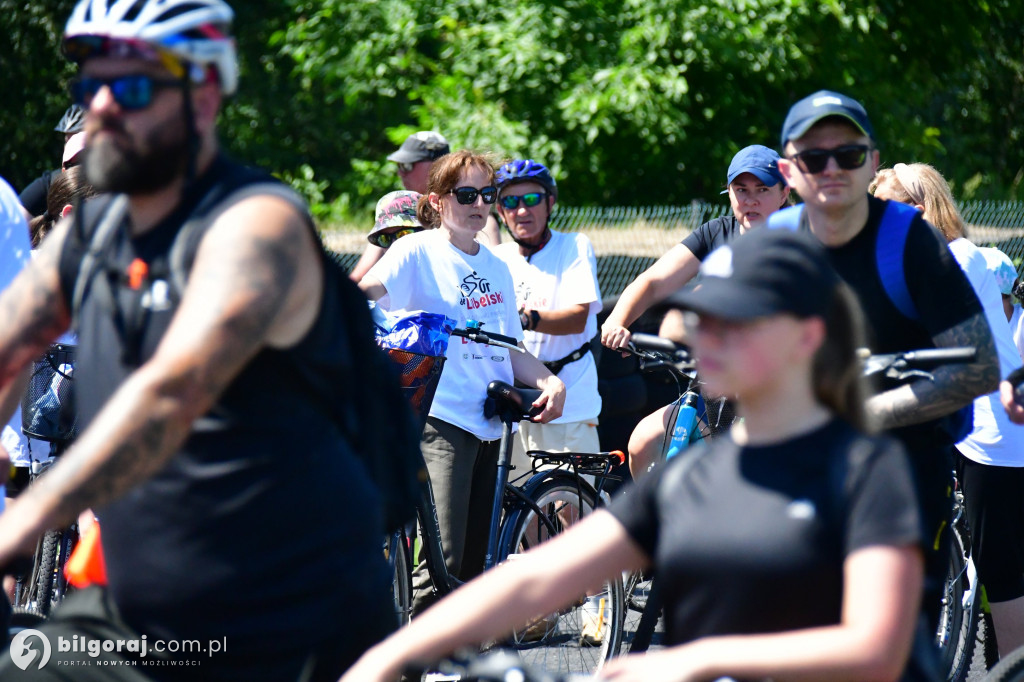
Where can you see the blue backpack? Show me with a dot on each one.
(889, 248)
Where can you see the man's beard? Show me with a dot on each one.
(112, 166)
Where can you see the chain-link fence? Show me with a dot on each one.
(628, 239)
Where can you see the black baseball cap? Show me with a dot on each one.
(425, 145)
(823, 104)
(764, 272)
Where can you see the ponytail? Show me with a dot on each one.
(836, 370)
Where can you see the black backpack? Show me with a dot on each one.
(367, 403)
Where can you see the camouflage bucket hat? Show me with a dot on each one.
(395, 209)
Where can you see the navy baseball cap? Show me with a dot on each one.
(758, 160)
(823, 104)
(764, 272)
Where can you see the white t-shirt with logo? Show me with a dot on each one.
(425, 272)
(995, 440)
(562, 274)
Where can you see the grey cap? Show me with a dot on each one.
(425, 145)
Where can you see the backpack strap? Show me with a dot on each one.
(787, 218)
(889, 249)
(102, 238)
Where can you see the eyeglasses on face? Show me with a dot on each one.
(385, 239)
(467, 195)
(406, 167)
(131, 92)
(530, 199)
(848, 157)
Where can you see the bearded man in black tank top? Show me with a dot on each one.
(227, 494)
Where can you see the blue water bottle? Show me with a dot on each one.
(685, 425)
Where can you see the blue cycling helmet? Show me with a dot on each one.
(525, 170)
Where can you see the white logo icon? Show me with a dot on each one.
(827, 99)
(24, 654)
(801, 510)
(718, 263)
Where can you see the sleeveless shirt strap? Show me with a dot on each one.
(186, 243)
(101, 239)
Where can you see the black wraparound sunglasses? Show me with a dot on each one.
(467, 195)
(848, 157)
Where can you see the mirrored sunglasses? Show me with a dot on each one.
(131, 92)
(848, 157)
(530, 199)
(385, 239)
(467, 195)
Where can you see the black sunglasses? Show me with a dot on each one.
(467, 195)
(132, 92)
(386, 239)
(530, 199)
(848, 157)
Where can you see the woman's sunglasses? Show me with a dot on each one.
(848, 157)
(132, 92)
(467, 195)
(386, 239)
(531, 199)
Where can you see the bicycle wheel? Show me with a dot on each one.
(582, 636)
(47, 573)
(1009, 669)
(958, 621)
(397, 554)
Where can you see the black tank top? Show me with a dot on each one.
(259, 528)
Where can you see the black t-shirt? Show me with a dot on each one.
(33, 197)
(264, 526)
(753, 539)
(941, 292)
(938, 287)
(711, 235)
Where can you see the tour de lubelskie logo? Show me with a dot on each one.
(476, 292)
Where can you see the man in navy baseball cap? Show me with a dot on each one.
(883, 250)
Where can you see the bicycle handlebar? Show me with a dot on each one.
(491, 666)
(477, 335)
(912, 362)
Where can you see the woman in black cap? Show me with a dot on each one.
(789, 548)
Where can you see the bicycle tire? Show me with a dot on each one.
(1009, 669)
(46, 575)
(397, 554)
(957, 631)
(561, 649)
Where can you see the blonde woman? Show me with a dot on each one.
(990, 460)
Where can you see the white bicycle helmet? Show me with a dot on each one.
(194, 31)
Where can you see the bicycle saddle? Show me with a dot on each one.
(508, 403)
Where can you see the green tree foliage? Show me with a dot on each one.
(629, 101)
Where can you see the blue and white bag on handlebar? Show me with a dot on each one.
(420, 332)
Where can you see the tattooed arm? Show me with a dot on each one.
(954, 386)
(255, 283)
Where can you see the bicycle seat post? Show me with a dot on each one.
(501, 479)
